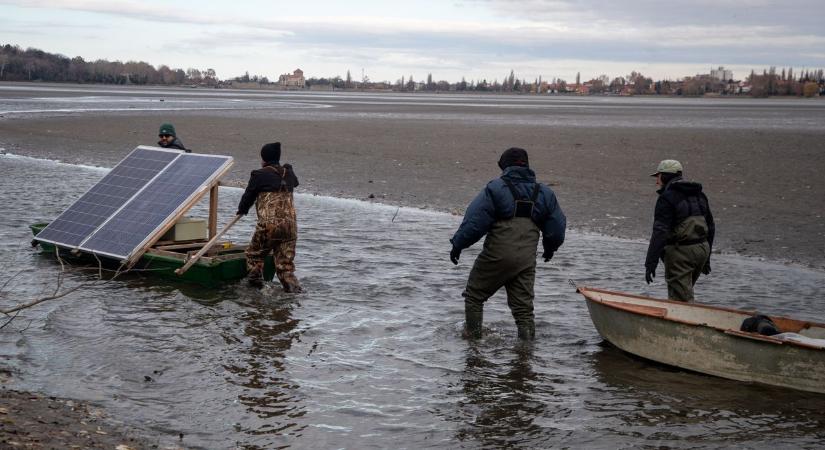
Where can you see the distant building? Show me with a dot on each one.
(721, 74)
(294, 81)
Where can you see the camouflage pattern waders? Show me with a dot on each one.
(509, 260)
(277, 232)
(683, 265)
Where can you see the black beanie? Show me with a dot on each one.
(513, 156)
(271, 153)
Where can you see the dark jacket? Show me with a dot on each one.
(495, 202)
(177, 143)
(678, 200)
(267, 179)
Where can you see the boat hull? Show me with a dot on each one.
(207, 272)
(644, 329)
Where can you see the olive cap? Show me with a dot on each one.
(668, 166)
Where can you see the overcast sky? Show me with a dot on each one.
(386, 40)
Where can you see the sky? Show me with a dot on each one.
(450, 39)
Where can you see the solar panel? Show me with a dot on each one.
(75, 224)
(135, 201)
(156, 205)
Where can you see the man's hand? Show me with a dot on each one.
(706, 268)
(454, 255)
(240, 213)
(547, 256)
(650, 273)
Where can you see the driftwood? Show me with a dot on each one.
(57, 292)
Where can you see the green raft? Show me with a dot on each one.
(225, 262)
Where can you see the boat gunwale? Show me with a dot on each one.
(729, 331)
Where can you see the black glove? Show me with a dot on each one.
(547, 256)
(706, 268)
(650, 273)
(240, 213)
(455, 253)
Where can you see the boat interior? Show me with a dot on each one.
(183, 250)
(724, 319)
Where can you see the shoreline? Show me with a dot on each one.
(275, 89)
(32, 420)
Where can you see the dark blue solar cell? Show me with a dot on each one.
(153, 207)
(75, 224)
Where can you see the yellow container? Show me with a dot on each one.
(186, 229)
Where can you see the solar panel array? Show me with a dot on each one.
(139, 197)
(75, 224)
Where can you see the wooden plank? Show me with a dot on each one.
(208, 245)
(213, 211)
(181, 246)
(229, 257)
(754, 336)
(175, 255)
(641, 309)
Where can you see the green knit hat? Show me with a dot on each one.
(167, 128)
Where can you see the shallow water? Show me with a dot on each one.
(372, 355)
(22, 100)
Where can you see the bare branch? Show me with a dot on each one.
(56, 294)
(42, 299)
(10, 320)
(11, 279)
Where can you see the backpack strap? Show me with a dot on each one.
(282, 174)
(512, 188)
(533, 197)
(536, 190)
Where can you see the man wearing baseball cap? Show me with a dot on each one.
(683, 232)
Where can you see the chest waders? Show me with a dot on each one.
(275, 233)
(686, 252)
(507, 260)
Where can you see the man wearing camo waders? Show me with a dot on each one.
(683, 232)
(270, 189)
(512, 211)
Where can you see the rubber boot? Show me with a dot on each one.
(472, 324)
(292, 287)
(526, 330)
(255, 279)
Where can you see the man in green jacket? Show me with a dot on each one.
(683, 232)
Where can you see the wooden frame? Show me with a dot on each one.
(152, 240)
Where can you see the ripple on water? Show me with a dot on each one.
(372, 354)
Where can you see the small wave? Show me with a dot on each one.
(57, 162)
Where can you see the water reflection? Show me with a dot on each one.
(500, 406)
(371, 355)
(268, 331)
(649, 398)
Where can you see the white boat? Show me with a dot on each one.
(707, 339)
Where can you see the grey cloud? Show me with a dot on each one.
(796, 15)
(748, 33)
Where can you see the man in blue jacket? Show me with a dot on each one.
(512, 211)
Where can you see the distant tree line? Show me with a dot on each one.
(33, 64)
(807, 83)
(245, 78)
